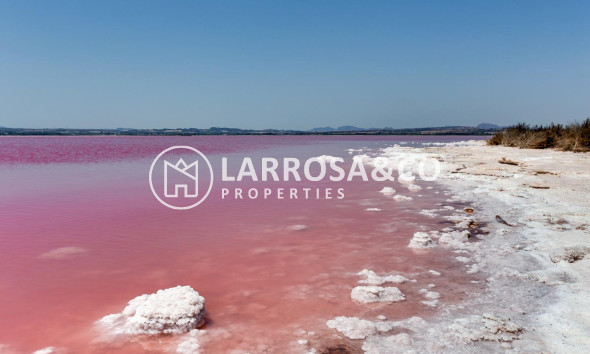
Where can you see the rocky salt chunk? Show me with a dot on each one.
(455, 239)
(170, 311)
(387, 191)
(401, 198)
(370, 294)
(421, 240)
(353, 327)
(494, 328)
(373, 279)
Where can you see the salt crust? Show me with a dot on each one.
(370, 294)
(170, 311)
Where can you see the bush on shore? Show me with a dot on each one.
(573, 137)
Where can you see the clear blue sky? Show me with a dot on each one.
(292, 64)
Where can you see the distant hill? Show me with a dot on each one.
(488, 126)
(344, 128)
(322, 129)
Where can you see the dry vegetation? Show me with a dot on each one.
(573, 137)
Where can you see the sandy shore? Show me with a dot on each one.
(537, 280)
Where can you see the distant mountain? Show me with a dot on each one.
(344, 128)
(322, 129)
(488, 126)
(349, 128)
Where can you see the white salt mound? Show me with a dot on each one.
(297, 227)
(170, 311)
(353, 327)
(48, 350)
(373, 209)
(387, 191)
(373, 279)
(401, 198)
(370, 294)
(421, 240)
(414, 187)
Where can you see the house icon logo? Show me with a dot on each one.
(181, 177)
(189, 173)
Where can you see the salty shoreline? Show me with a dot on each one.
(536, 298)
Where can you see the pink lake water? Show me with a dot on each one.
(263, 281)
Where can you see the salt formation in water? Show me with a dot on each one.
(297, 227)
(170, 311)
(414, 187)
(454, 238)
(373, 209)
(373, 279)
(63, 252)
(190, 343)
(369, 294)
(387, 191)
(355, 328)
(401, 198)
(48, 350)
(421, 240)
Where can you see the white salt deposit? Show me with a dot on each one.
(370, 294)
(421, 240)
(429, 212)
(430, 295)
(387, 191)
(63, 252)
(373, 279)
(353, 327)
(190, 342)
(454, 239)
(414, 187)
(430, 303)
(47, 350)
(494, 328)
(398, 343)
(326, 158)
(373, 209)
(170, 311)
(298, 227)
(401, 198)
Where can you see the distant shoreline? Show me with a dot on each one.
(451, 130)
